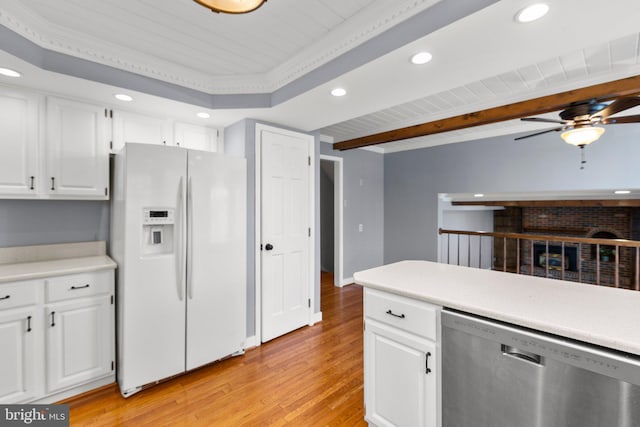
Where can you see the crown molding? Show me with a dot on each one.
(345, 37)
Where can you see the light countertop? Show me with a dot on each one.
(58, 267)
(39, 261)
(596, 314)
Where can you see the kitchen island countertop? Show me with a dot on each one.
(599, 315)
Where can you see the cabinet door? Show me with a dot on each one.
(400, 377)
(20, 355)
(79, 341)
(196, 137)
(76, 150)
(140, 128)
(19, 125)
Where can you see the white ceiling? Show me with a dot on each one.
(485, 59)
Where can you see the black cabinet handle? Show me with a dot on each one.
(28, 323)
(53, 183)
(5, 297)
(73, 288)
(428, 370)
(268, 247)
(32, 178)
(53, 318)
(401, 316)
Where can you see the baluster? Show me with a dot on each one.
(504, 253)
(448, 248)
(480, 251)
(579, 262)
(597, 263)
(617, 275)
(637, 268)
(458, 248)
(562, 261)
(546, 258)
(531, 256)
(518, 255)
(469, 251)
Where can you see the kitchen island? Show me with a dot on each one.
(405, 303)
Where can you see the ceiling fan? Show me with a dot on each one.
(580, 122)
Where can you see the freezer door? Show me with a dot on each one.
(216, 257)
(152, 281)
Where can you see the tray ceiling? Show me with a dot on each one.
(480, 61)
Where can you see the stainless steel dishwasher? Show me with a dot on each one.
(500, 375)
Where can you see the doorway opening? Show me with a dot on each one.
(331, 217)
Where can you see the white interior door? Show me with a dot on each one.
(285, 231)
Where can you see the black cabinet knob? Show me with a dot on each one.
(268, 246)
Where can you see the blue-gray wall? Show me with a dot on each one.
(327, 224)
(414, 178)
(364, 205)
(240, 140)
(40, 222)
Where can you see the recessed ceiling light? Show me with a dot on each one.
(532, 12)
(123, 97)
(203, 115)
(338, 92)
(421, 58)
(9, 72)
(478, 195)
(622, 192)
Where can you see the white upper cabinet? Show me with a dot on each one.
(140, 128)
(77, 154)
(195, 137)
(19, 124)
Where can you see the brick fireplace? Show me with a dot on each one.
(570, 221)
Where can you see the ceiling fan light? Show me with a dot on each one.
(231, 6)
(582, 136)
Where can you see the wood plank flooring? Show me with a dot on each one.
(310, 377)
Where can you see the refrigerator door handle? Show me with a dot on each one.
(180, 262)
(190, 238)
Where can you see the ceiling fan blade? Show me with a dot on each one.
(618, 105)
(540, 133)
(623, 119)
(543, 120)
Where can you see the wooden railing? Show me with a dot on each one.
(609, 262)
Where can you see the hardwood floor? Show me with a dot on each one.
(310, 377)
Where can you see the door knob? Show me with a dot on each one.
(268, 246)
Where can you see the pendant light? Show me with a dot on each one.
(231, 6)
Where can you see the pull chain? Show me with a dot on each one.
(582, 159)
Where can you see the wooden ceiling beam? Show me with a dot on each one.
(545, 104)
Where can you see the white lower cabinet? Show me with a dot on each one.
(57, 335)
(21, 354)
(79, 342)
(400, 361)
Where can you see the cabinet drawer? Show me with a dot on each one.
(18, 294)
(79, 285)
(413, 316)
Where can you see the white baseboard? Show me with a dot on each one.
(347, 281)
(316, 317)
(251, 341)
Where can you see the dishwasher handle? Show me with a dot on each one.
(510, 351)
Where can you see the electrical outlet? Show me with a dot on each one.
(360, 228)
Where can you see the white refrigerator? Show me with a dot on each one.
(178, 234)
